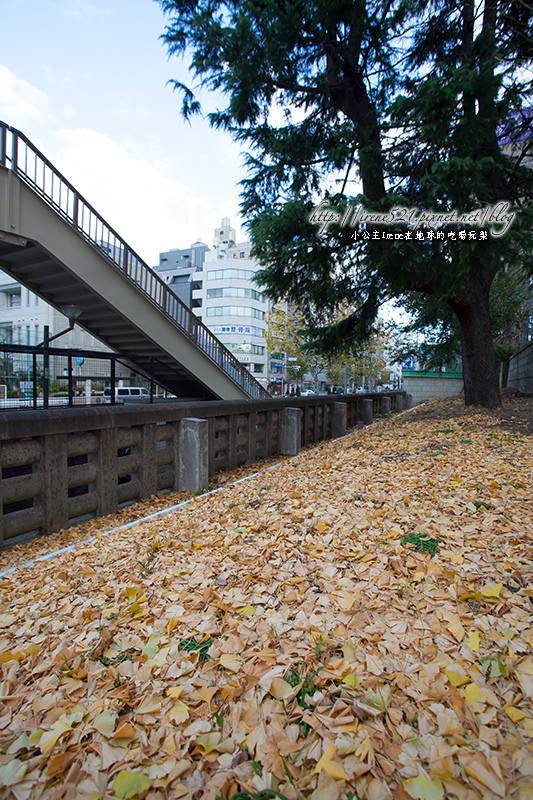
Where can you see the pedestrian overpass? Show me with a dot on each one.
(57, 245)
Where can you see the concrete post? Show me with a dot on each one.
(193, 455)
(106, 485)
(366, 412)
(290, 435)
(385, 406)
(339, 413)
(2, 517)
(398, 403)
(148, 453)
(54, 493)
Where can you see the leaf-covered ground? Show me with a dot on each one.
(355, 622)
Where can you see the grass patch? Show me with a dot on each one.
(202, 646)
(422, 542)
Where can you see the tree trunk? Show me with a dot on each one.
(480, 367)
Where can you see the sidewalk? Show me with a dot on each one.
(354, 621)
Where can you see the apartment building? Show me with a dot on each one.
(227, 300)
(218, 285)
(23, 316)
(177, 267)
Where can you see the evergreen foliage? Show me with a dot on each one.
(384, 103)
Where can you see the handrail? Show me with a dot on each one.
(18, 154)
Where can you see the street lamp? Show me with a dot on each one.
(72, 313)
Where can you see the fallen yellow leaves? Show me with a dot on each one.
(281, 634)
(333, 768)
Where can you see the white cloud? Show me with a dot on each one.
(82, 10)
(20, 101)
(149, 210)
(158, 189)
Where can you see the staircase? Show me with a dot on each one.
(57, 245)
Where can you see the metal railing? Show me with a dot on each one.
(25, 160)
(44, 376)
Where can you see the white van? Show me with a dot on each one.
(128, 394)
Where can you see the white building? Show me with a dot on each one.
(23, 316)
(230, 304)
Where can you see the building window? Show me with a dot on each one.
(227, 274)
(14, 299)
(235, 291)
(259, 368)
(6, 334)
(234, 311)
(245, 347)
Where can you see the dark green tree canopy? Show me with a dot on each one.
(378, 104)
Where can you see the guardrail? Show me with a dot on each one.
(60, 467)
(18, 154)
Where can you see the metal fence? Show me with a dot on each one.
(44, 377)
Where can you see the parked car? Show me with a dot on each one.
(307, 392)
(128, 394)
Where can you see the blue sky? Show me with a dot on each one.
(86, 81)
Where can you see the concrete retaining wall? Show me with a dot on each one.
(521, 370)
(60, 466)
(427, 386)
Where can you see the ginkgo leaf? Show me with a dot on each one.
(516, 714)
(105, 722)
(179, 712)
(421, 788)
(208, 741)
(246, 611)
(12, 772)
(149, 705)
(482, 771)
(172, 623)
(35, 737)
(49, 738)
(351, 679)
(457, 630)
(124, 731)
(20, 743)
(474, 694)
(151, 647)
(130, 784)
(281, 690)
(473, 641)
(156, 771)
(230, 661)
(456, 675)
(492, 590)
(333, 768)
(175, 691)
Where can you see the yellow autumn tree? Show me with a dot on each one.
(285, 335)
